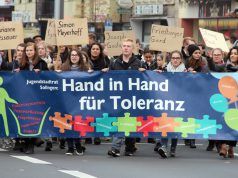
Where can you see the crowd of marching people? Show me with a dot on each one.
(35, 55)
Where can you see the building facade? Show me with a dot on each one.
(138, 15)
(216, 15)
(146, 13)
(6, 8)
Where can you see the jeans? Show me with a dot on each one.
(129, 142)
(164, 142)
(72, 141)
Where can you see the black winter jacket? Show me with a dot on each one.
(133, 64)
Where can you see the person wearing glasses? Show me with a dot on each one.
(176, 64)
(75, 62)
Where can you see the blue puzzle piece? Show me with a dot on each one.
(105, 124)
(208, 126)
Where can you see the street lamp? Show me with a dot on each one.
(59, 9)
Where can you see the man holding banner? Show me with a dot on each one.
(126, 61)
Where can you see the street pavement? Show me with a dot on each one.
(188, 163)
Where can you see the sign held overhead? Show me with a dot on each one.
(214, 39)
(11, 34)
(166, 39)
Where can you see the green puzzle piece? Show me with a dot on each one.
(105, 124)
(186, 128)
(126, 124)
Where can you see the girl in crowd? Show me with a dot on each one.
(216, 64)
(159, 65)
(195, 63)
(87, 61)
(34, 64)
(19, 62)
(75, 62)
(232, 62)
(43, 53)
(175, 65)
(56, 64)
(64, 53)
(100, 62)
(227, 146)
(149, 59)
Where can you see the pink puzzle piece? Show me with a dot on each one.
(146, 125)
(83, 126)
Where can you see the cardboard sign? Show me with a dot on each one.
(113, 40)
(71, 31)
(214, 39)
(11, 34)
(50, 34)
(166, 39)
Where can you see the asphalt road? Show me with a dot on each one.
(188, 163)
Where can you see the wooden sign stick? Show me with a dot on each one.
(58, 52)
(164, 57)
(9, 55)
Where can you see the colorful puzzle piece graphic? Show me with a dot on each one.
(165, 124)
(146, 125)
(186, 127)
(126, 124)
(83, 125)
(207, 126)
(63, 123)
(105, 124)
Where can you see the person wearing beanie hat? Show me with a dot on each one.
(192, 48)
(196, 63)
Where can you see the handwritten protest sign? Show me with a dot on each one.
(113, 40)
(167, 39)
(50, 35)
(214, 39)
(11, 34)
(71, 31)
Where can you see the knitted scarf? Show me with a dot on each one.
(171, 68)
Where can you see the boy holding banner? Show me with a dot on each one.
(126, 61)
(18, 61)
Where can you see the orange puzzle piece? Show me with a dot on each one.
(63, 123)
(165, 124)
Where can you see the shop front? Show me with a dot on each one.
(227, 26)
(212, 15)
